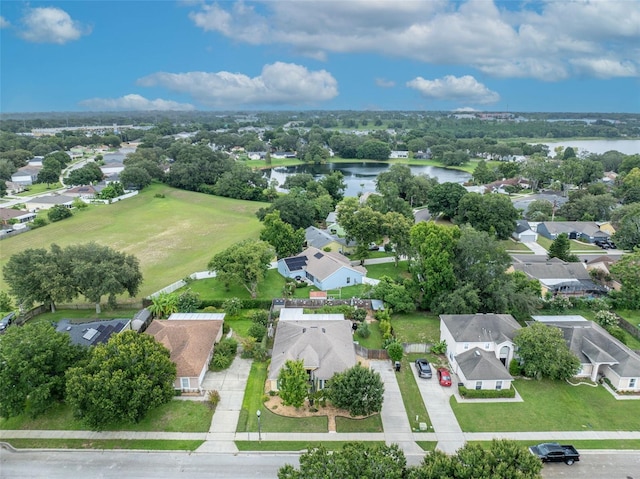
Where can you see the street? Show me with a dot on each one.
(165, 465)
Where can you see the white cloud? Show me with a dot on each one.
(278, 84)
(51, 25)
(382, 83)
(4, 23)
(604, 68)
(540, 39)
(135, 102)
(450, 88)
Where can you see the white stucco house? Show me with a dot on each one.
(480, 347)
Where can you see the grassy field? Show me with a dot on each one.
(175, 416)
(377, 271)
(418, 327)
(550, 406)
(171, 236)
(138, 444)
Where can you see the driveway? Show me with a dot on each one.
(436, 400)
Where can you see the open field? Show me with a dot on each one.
(172, 236)
(550, 406)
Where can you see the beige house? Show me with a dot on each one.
(323, 342)
(49, 201)
(190, 338)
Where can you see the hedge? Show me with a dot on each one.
(486, 393)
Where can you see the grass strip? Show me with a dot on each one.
(368, 424)
(614, 444)
(296, 445)
(427, 446)
(141, 444)
(411, 396)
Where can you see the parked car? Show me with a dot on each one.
(554, 452)
(424, 369)
(6, 321)
(444, 377)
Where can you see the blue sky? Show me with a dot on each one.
(565, 55)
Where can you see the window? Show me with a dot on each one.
(498, 385)
(466, 345)
(632, 382)
(348, 279)
(478, 384)
(184, 383)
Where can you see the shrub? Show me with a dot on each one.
(248, 347)
(213, 398)
(261, 354)
(606, 319)
(220, 361)
(514, 368)
(382, 315)
(359, 315)
(59, 212)
(227, 347)
(257, 331)
(38, 223)
(439, 348)
(385, 329)
(260, 317)
(618, 333)
(363, 330)
(486, 393)
(232, 306)
(395, 351)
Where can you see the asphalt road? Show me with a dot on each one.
(132, 465)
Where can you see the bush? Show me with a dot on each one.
(395, 351)
(227, 347)
(606, 319)
(257, 331)
(58, 212)
(514, 368)
(486, 393)
(439, 348)
(220, 361)
(38, 223)
(232, 306)
(261, 354)
(618, 333)
(213, 398)
(385, 329)
(260, 317)
(363, 330)
(359, 315)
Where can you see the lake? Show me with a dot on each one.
(360, 177)
(628, 147)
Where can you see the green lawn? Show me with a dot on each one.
(139, 444)
(417, 327)
(83, 315)
(270, 422)
(175, 416)
(214, 289)
(369, 424)
(172, 236)
(575, 246)
(411, 397)
(633, 316)
(511, 245)
(619, 444)
(427, 446)
(550, 406)
(377, 271)
(40, 188)
(296, 445)
(374, 341)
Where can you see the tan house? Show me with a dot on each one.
(323, 342)
(190, 338)
(47, 202)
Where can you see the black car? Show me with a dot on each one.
(424, 369)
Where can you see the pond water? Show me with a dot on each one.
(628, 147)
(360, 177)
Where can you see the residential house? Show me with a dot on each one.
(49, 201)
(322, 239)
(25, 176)
(524, 232)
(326, 270)
(480, 347)
(283, 154)
(190, 339)
(94, 332)
(600, 354)
(257, 155)
(588, 231)
(10, 216)
(85, 191)
(558, 277)
(399, 154)
(602, 264)
(524, 202)
(323, 342)
(333, 227)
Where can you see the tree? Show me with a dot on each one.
(545, 353)
(482, 175)
(501, 459)
(48, 176)
(246, 263)
(444, 198)
(285, 240)
(360, 461)
(242, 182)
(6, 303)
(493, 213)
(37, 275)
(539, 210)
(626, 220)
(293, 383)
(627, 271)
(359, 390)
(58, 212)
(163, 305)
(125, 378)
(374, 150)
(395, 295)
(89, 173)
(96, 271)
(397, 227)
(111, 191)
(334, 184)
(561, 248)
(433, 250)
(135, 177)
(34, 360)
(395, 351)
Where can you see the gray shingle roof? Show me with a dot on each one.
(478, 364)
(590, 228)
(480, 327)
(91, 333)
(322, 264)
(554, 270)
(324, 346)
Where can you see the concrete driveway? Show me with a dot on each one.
(436, 400)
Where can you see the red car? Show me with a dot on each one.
(444, 377)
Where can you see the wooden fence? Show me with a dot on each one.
(371, 353)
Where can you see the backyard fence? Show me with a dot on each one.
(371, 353)
(416, 347)
(632, 329)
